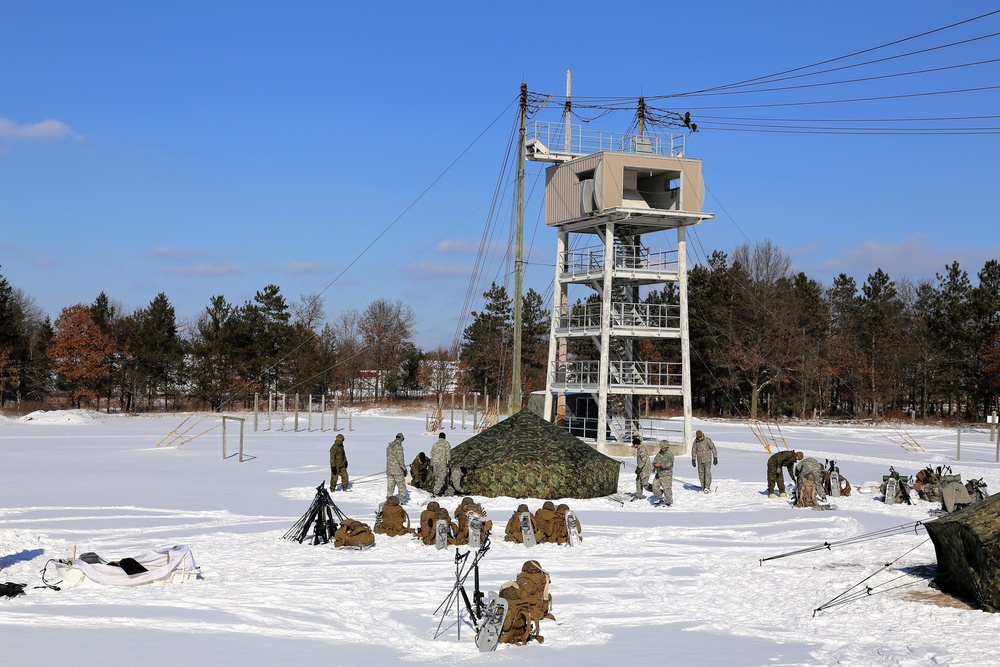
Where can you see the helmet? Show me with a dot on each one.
(399, 436)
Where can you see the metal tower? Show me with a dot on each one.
(606, 194)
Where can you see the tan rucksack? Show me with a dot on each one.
(427, 519)
(547, 522)
(513, 530)
(517, 624)
(395, 521)
(533, 583)
(353, 533)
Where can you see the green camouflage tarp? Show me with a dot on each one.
(968, 552)
(525, 456)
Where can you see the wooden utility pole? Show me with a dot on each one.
(514, 404)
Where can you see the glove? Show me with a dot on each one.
(693, 464)
(715, 462)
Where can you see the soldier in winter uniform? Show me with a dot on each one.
(775, 463)
(395, 468)
(704, 456)
(643, 468)
(440, 457)
(338, 463)
(663, 475)
(808, 466)
(420, 473)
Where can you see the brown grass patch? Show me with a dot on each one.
(936, 597)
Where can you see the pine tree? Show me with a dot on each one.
(486, 346)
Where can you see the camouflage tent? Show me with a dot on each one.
(967, 545)
(525, 456)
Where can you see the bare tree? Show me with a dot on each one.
(308, 312)
(386, 328)
(438, 372)
(757, 347)
(342, 342)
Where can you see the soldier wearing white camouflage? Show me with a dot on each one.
(440, 457)
(395, 469)
(643, 468)
(663, 475)
(704, 456)
(808, 466)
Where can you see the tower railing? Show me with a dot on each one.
(590, 260)
(546, 139)
(630, 315)
(585, 375)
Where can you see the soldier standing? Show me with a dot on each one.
(643, 468)
(338, 463)
(704, 456)
(663, 480)
(440, 456)
(395, 469)
(775, 463)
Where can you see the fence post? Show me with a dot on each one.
(256, 406)
(270, 408)
(958, 456)
(336, 410)
(463, 410)
(296, 427)
(309, 423)
(453, 411)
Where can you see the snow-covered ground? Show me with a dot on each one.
(683, 585)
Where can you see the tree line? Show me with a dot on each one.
(764, 342)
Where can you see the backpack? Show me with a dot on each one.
(442, 515)
(902, 487)
(547, 521)
(806, 496)
(517, 625)
(513, 530)
(394, 520)
(353, 533)
(533, 583)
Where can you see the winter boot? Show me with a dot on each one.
(783, 494)
(770, 494)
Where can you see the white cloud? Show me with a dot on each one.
(46, 130)
(913, 257)
(457, 246)
(432, 270)
(179, 254)
(207, 269)
(303, 267)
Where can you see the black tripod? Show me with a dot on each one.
(321, 513)
(462, 569)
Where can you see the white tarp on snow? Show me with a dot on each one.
(170, 564)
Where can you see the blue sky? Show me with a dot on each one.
(202, 148)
